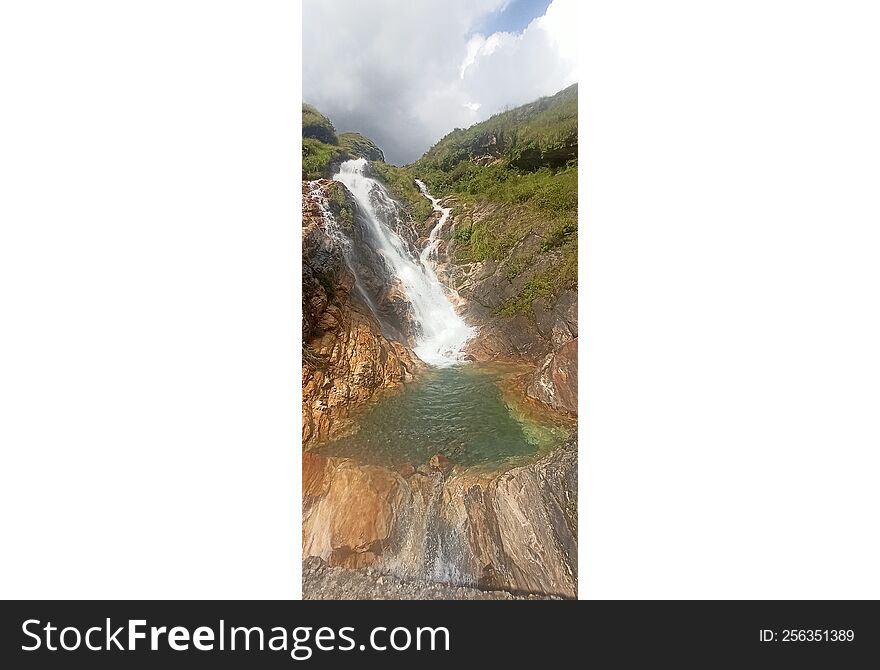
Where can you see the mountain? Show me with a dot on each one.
(543, 133)
(323, 149)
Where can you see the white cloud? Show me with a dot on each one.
(480, 45)
(406, 73)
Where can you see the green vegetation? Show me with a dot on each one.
(341, 204)
(545, 283)
(323, 148)
(402, 185)
(317, 126)
(318, 157)
(358, 146)
(540, 134)
(519, 169)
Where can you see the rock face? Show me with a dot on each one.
(543, 336)
(556, 382)
(350, 510)
(515, 531)
(485, 287)
(348, 355)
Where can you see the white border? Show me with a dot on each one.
(729, 359)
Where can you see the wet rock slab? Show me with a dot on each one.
(512, 531)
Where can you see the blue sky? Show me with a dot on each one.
(513, 18)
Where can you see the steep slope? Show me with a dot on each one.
(348, 358)
(511, 248)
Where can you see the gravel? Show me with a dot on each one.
(321, 582)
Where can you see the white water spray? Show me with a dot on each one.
(430, 250)
(442, 332)
(331, 226)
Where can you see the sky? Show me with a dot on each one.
(405, 73)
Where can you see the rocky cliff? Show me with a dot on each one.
(544, 333)
(348, 356)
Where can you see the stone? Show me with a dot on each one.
(556, 381)
(406, 470)
(514, 531)
(439, 462)
(352, 520)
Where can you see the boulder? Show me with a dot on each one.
(556, 381)
(439, 462)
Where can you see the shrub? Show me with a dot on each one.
(317, 126)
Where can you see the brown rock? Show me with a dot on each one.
(439, 462)
(406, 470)
(556, 381)
(347, 358)
(353, 518)
(314, 481)
(515, 530)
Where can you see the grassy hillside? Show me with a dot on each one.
(539, 134)
(520, 166)
(400, 182)
(317, 126)
(358, 146)
(323, 148)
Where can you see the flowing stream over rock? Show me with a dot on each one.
(441, 332)
(430, 250)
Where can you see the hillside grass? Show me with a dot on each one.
(317, 158)
(358, 146)
(317, 126)
(520, 166)
(401, 183)
(540, 134)
(323, 148)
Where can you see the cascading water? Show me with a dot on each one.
(430, 250)
(331, 226)
(442, 333)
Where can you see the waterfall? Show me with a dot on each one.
(442, 333)
(430, 250)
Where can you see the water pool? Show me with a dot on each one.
(460, 412)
